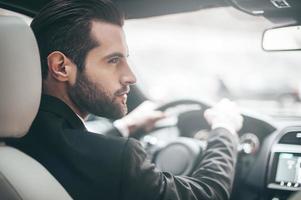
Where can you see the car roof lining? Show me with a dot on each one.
(133, 8)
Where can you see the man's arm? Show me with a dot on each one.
(212, 178)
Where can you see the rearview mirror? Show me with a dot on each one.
(282, 38)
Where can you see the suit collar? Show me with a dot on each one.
(60, 108)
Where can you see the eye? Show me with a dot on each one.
(114, 60)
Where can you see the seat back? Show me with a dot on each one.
(21, 177)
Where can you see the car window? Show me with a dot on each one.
(208, 55)
(211, 54)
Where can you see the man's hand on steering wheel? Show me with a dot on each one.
(142, 118)
(225, 114)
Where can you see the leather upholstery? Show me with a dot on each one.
(21, 177)
(20, 77)
(24, 178)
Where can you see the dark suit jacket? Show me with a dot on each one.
(92, 166)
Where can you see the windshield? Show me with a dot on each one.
(211, 54)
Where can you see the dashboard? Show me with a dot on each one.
(284, 169)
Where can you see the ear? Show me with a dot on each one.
(59, 66)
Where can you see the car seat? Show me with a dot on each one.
(21, 177)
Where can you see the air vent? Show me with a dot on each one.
(291, 138)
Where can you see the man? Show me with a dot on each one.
(85, 70)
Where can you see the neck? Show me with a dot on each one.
(59, 92)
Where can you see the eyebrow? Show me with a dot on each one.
(116, 54)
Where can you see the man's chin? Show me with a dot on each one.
(119, 111)
(113, 111)
(123, 110)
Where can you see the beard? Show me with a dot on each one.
(95, 99)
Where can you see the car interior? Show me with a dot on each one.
(269, 160)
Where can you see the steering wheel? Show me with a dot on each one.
(191, 119)
(180, 156)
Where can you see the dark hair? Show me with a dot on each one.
(65, 25)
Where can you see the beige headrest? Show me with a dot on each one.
(20, 77)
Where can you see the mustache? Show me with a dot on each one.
(123, 90)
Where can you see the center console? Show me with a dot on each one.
(284, 173)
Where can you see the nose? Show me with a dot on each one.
(128, 77)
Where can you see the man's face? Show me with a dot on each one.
(102, 87)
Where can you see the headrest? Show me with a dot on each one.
(20, 77)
